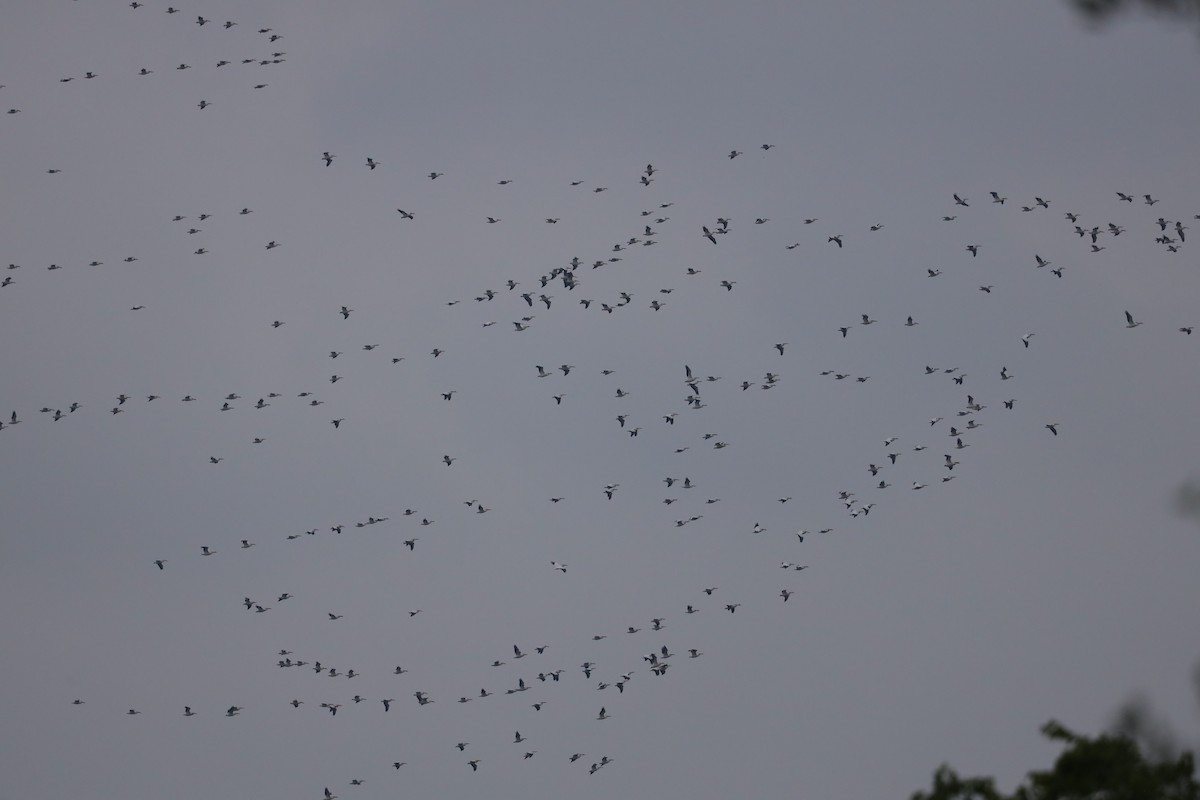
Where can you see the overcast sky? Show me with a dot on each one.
(936, 620)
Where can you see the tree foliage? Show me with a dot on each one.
(1104, 10)
(1111, 766)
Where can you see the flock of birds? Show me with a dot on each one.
(520, 302)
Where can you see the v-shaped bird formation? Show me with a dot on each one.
(620, 414)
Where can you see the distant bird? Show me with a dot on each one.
(1052, 427)
(1129, 321)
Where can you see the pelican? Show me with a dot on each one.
(1129, 321)
(205, 550)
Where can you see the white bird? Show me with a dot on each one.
(1129, 321)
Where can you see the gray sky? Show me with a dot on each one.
(1050, 577)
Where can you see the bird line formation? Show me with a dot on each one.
(558, 291)
(658, 661)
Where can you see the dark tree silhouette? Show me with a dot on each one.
(1105, 10)
(1111, 766)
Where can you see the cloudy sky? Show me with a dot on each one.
(935, 620)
